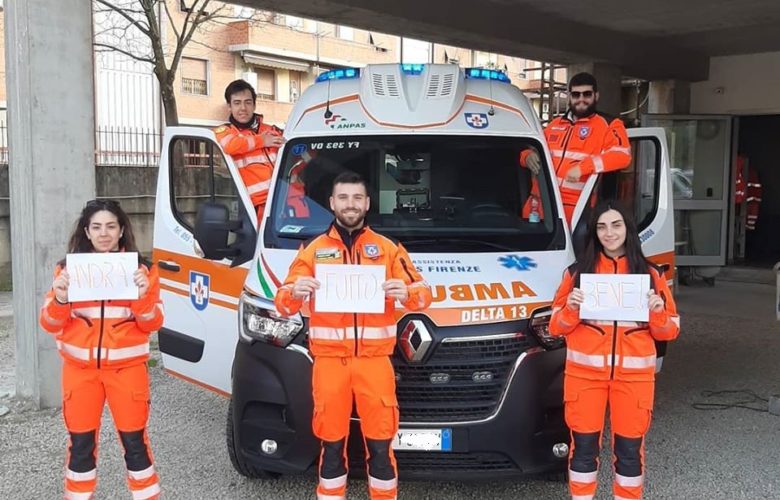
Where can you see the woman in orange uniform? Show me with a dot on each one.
(610, 361)
(104, 345)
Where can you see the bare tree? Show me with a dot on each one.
(135, 28)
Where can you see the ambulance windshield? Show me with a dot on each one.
(432, 193)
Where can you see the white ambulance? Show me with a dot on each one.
(479, 380)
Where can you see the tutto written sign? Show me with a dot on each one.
(349, 288)
(615, 297)
(101, 276)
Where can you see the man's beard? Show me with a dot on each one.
(347, 225)
(590, 110)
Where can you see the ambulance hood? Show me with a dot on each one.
(468, 288)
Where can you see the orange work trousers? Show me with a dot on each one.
(630, 410)
(85, 391)
(370, 381)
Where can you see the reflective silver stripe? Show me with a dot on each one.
(583, 477)
(53, 322)
(382, 484)
(556, 309)
(93, 312)
(226, 140)
(617, 360)
(572, 185)
(141, 474)
(676, 320)
(251, 160)
(629, 482)
(250, 141)
(125, 352)
(336, 482)
(638, 362)
(328, 333)
(157, 309)
(81, 476)
(378, 332)
(582, 497)
(320, 496)
(260, 186)
(619, 149)
(596, 360)
(146, 493)
(76, 495)
(570, 155)
(598, 164)
(73, 351)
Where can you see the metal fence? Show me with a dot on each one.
(127, 147)
(114, 147)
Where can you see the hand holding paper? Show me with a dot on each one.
(396, 289)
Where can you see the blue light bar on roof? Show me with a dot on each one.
(412, 69)
(487, 74)
(339, 74)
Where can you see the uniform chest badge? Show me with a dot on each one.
(371, 250)
(584, 132)
(221, 129)
(327, 254)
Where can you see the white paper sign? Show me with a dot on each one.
(101, 276)
(615, 297)
(349, 288)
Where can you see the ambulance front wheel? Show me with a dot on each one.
(241, 466)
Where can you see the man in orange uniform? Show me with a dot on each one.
(582, 143)
(351, 351)
(251, 143)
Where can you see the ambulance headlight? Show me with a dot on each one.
(260, 321)
(540, 327)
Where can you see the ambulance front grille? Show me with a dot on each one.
(461, 381)
(427, 462)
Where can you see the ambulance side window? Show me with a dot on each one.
(199, 174)
(637, 186)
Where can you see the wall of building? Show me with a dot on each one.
(739, 85)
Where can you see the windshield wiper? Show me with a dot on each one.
(490, 244)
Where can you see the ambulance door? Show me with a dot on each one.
(200, 296)
(645, 187)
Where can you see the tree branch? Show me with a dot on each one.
(138, 24)
(122, 51)
(170, 20)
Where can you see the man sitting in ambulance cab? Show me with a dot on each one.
(251, 143)
(582, 143)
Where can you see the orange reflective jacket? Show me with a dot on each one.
(255, 163)
(620, 350)
(592, 143)
(351, 334)
(104, 333)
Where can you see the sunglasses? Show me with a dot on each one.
(576, 95)
(102, 203)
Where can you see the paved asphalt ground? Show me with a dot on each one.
(730, 341)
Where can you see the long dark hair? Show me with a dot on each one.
(79, 243)
(637, 263)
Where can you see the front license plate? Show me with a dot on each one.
(423, 440)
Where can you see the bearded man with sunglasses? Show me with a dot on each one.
(582, 143)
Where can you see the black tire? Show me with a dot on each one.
(242, 467)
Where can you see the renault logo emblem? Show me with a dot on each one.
(415, 341)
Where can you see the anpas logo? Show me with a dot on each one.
(517, 262)
(339, 122)
(199, 290)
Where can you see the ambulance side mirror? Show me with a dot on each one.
(212, 231)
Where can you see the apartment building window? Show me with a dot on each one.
(194, 76)
(266, 84)
(345, 32)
